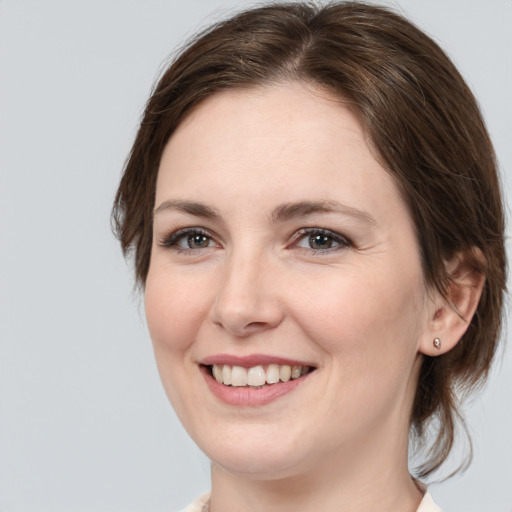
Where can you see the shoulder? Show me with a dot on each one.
(427, 504)
(198, 504)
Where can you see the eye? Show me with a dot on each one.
(320, 240)
(196, 241)
(189, 239)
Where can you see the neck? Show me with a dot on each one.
(299, 495)
(372, 474)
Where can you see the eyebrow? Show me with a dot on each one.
(281, 213)
(190, 207)
(288, 211)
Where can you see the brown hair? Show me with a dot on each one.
(420, 117)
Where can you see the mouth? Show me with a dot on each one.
(256, 377)
(253, 380)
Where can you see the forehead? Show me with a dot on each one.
(286, 142)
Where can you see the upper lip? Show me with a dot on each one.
(251, 360)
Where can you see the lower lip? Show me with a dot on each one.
(250, 397)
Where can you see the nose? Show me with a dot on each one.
(247, 301)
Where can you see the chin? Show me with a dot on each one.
(257, 467)
(255, 457)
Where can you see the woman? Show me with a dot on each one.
(315, 215)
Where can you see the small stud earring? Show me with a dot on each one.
(437, 343)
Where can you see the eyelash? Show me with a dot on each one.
(342, 241)
(172, 240)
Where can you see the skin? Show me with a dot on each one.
(359, 311)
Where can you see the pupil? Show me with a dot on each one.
(197, 241)
(320, 241)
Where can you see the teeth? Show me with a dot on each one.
(256, 376)
(238, 376)
(296, 371)
(272, 373)
(285, 372)
(217, 373)
(226, 374)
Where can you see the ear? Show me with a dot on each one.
(450, 316)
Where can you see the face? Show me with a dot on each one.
(285, 297)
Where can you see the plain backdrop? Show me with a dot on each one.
(84, 423)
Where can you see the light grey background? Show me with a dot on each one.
(84, 423)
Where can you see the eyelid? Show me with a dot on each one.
(171, 239)
(340, 239)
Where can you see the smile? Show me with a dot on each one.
(256, 376)
(254, 380)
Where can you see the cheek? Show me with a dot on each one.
(368, 330)
(174, 309)
(374, 317)
(174, 313)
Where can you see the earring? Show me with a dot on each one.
(437, 343)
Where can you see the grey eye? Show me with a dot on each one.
(320, 242)
(189, 238)
(197, 241)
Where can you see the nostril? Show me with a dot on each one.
(241, 326)
(244, 304)
(256, 325)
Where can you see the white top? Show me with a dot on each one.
(426, 505)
